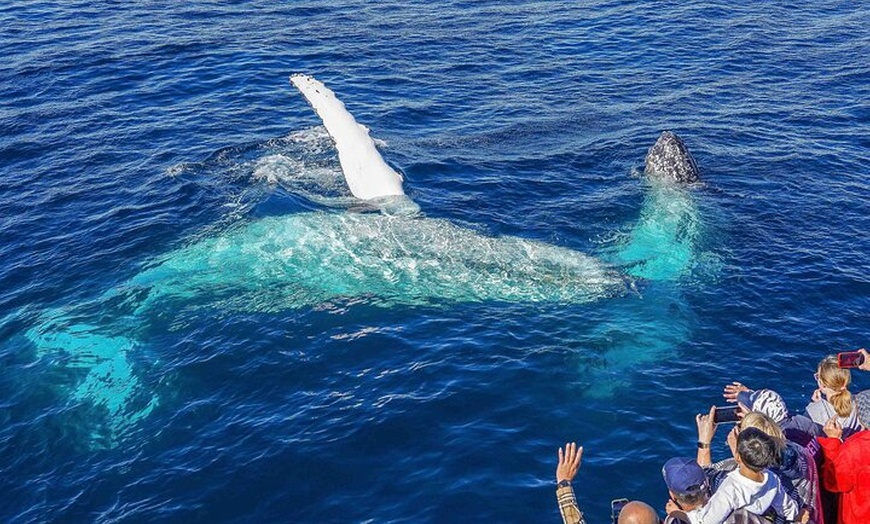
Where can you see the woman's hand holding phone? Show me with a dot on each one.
(865, 366)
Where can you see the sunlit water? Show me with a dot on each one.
(200, 324)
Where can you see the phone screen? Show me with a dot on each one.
(850, 359)
(616, 506)
(726, 414)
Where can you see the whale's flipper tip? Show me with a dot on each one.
(367, 174)
(297, 79)
(669, 159)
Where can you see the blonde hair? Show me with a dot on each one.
(765, 424)
(832, 377)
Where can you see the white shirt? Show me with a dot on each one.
(738, 492)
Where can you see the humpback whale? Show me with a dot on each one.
(387, 259)
(663, 243)
(669, 159)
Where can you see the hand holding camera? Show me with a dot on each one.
(852, 359)
(706, 426)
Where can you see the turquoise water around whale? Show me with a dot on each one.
(199, 324)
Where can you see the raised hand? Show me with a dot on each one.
(732, 389)
(569, 462)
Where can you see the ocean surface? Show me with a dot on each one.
(200, 324)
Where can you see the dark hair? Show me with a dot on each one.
(756, 448)
(692, 499)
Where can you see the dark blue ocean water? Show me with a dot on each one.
(133, 131)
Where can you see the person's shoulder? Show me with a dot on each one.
(735, 481)
(801, 429)
(775, 479)
(799, 421)
(859, 441)
(772, 485)
(819, 409)
(793, 460)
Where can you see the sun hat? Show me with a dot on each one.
(684, 476)
(765, 401)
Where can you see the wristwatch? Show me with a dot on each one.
(562, 483)
(703, 445)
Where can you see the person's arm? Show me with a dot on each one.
(566, 469)
(836, 475)
(720, 506)
(784, 504)
(706, 430)
(568, 507)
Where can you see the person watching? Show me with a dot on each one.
(795, 466)
(566, 470)
(832, 397)
(687, 484)
(846, 464)
(689, 489)
(635, 512)
(750, 487)
(797, 428)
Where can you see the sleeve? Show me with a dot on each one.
(718, 508)
(571, 513)
(718, 472)
(783, 504)
(837, 474)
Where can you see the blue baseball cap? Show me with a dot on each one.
(684, 476)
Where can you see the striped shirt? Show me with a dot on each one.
(571, 513)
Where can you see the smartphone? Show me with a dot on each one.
(616, 506)
(850, 359)
(726, 414)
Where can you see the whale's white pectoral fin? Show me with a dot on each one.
(365, 170)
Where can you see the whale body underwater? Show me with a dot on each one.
(393, 257)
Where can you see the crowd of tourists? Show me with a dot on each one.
(809, 468)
